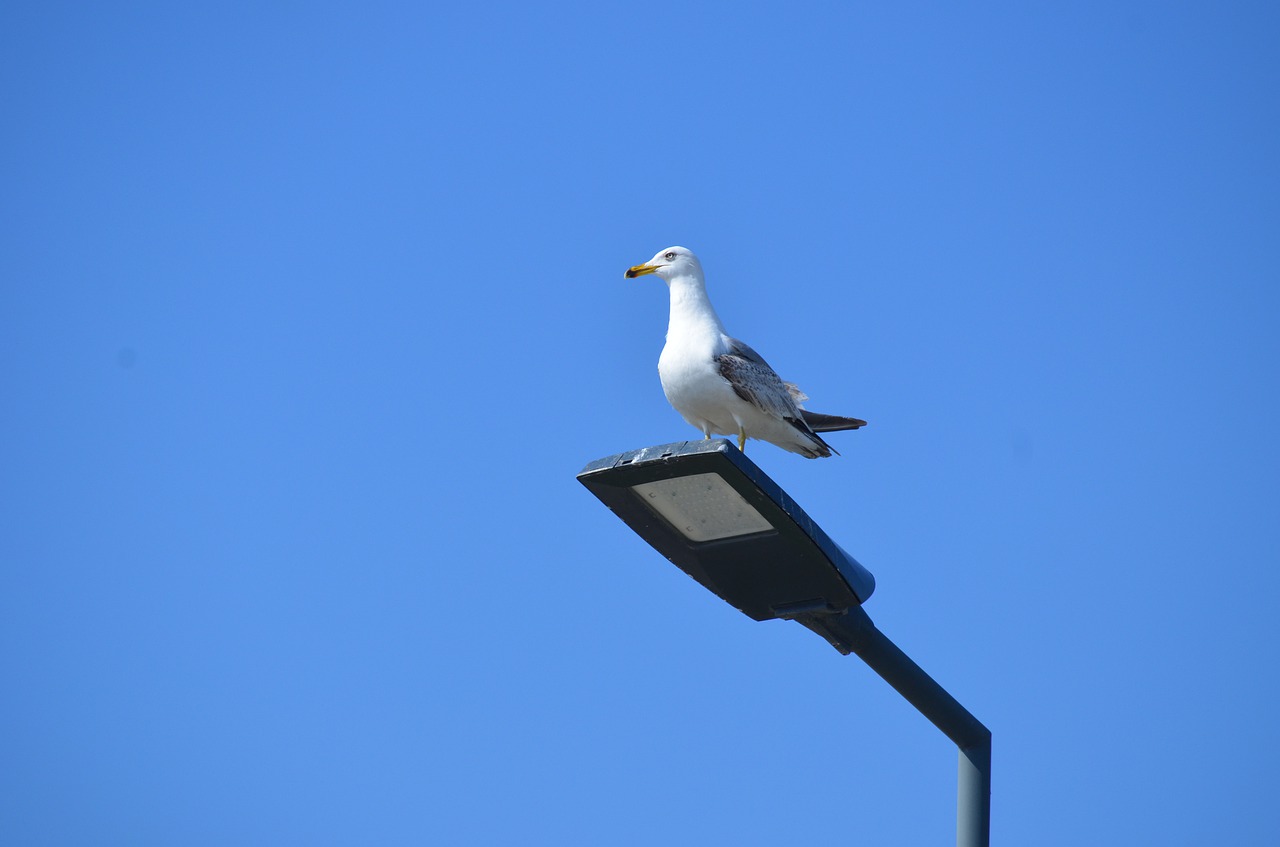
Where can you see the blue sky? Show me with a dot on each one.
(310, 314)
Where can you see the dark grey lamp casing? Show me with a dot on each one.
(787, 569)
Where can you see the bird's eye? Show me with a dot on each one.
(670, 255)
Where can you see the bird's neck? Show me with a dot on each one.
(692, 314)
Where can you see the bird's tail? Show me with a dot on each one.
(829, 423)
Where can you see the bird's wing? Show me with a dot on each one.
(814, 422)
(754, 381)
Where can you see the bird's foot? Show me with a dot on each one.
(742, 439)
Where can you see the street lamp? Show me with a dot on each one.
(713, 513)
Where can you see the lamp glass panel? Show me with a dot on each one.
(702, 507)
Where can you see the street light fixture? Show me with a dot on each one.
(713, 513)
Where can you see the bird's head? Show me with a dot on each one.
(668, 264)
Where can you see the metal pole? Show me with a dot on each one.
(973, 797)
(853, 632)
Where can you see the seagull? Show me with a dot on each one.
(718, 383)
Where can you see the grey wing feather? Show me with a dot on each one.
(738, 347)
(754, 381)
(796, 394)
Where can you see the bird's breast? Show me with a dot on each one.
(692, 382)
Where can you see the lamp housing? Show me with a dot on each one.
(714, 514)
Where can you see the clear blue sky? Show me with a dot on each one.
(309, 315)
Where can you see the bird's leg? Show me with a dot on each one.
(742, 439)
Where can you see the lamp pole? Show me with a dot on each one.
(854, 632)
(714, 514)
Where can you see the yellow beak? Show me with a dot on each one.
(641, 270)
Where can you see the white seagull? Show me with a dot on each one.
(718, 383)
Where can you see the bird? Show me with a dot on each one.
(720, 385)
